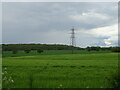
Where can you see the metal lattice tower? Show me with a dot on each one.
(73, 39)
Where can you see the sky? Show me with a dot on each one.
(96, 24)
(59, 0)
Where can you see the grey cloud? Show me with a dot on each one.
(29, 22)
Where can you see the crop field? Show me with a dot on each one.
(59, 69)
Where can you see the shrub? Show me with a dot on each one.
(115, 49)
(39, 50)
(115, 80)
(27, 50)
(14, 51)
(88, 48)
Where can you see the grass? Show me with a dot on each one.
(51, 52)
(64, 70)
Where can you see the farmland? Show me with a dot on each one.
(59, 69)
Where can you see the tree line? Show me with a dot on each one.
(94, 48)
(38, 47)
(41, 47)
(10, 47)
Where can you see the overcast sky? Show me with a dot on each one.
(95, 23)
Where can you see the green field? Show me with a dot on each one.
(59, 69)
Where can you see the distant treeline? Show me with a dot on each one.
(11, 47)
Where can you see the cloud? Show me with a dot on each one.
(109, 34)
(92, 19)
(84, 17)
(51, 22)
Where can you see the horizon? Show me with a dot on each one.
(56, 44)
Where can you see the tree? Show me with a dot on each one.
(27, 50)
(39, 50)
(88, 48)
(93, 48)
(115, 49)
(14, 51)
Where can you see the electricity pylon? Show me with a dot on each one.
(73, 39)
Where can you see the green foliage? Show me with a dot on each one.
(115, 49)
(9, 47)
(62, 70)
(27, 50)
(88, 48)
(7, 79)
(39, 50)
(114, 79)
(14, 51)
(93, 48)
(57, 68)
(51, 52)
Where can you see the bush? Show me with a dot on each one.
(27, 50)
(39, 50)
(94, 48)
(14, 51)
(114, 80)
(115, 49)
(88, 48)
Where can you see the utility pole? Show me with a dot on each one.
(73, 39)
